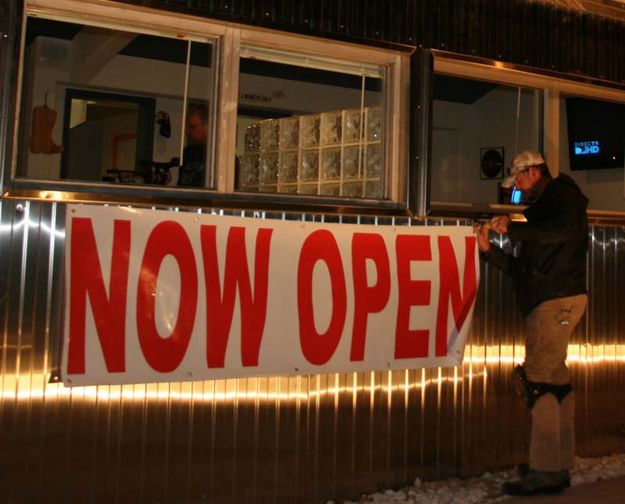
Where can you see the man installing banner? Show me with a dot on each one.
(549, 278)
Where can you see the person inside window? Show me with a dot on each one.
(193, 168)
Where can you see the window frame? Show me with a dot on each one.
(229, 38)
(396, 96)
(554, 87)
(135, 20)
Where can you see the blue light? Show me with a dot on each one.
(516, 197)
(587, 147)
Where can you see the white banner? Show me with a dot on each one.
(156, 296)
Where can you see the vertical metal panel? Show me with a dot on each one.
(307, 438)
(298, 439)
(420, 149)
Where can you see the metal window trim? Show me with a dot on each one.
(356, 67)
(323, 47)
(419, 177)
(510, 73)
(32, 190)
(134, 18)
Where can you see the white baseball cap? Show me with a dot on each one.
(522, 160)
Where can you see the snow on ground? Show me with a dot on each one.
(485, 489)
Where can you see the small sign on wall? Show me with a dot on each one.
(491, 163)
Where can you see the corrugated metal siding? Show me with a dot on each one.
(307, 438)
(279, 439)
(525, 32)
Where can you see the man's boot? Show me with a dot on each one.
(523, 470)
(535, 482)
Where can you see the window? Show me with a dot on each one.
(102, 105)
(308, 125)
(175, 104)
(477, 128)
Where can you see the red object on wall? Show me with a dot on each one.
(41, 135)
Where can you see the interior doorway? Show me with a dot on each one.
(106, 134)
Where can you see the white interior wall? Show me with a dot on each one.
(303, 97)
(490, 121)
(453, 143)
(146, 77)
(162, 80)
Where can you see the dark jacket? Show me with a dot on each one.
(554, 245)
(191, 173)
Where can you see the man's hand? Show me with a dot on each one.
(500, 224)
(481, 230)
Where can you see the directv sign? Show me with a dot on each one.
(589, 147)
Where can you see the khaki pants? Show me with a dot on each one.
(549, 325)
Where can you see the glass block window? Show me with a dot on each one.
(310, 126)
